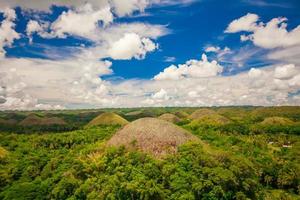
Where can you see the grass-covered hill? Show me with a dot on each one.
(141, 113)
(281, 121)
(169, 117)
(253, 155)
(108, 119)
(34, 120)
(199, 113)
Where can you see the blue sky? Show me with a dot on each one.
(169, 33)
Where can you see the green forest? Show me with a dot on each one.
(240, 153)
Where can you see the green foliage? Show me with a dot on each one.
(243, 159)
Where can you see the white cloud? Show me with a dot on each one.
(125, 7)
(27, 83)
(35, 27)
(212, 49)
(285, 71)
(66, 82)
(169, 59)
(131, 45)
(255, 73)
(193, 94)
(161, 94)
(7, 31)
(295, 81)
(260, 88)
(270, 35)
(288, 55)
(245, 23)
(191, 69)
(120, 7)
(32, 27)
(116, 31)
(83, 22)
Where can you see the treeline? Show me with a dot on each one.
(246, 128)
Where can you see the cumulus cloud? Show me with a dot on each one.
(255, 73)
(7, 30)
(288, 55)
(285, 71)
(131, 45)
(68, 81)
(161, 94)
(76, 79)
(245, 23)
(125, 7)
(82, 22)
(191, 69)
(270, 35)
(258, 87)
(120, 8)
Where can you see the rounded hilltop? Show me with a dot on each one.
(107, 119)
(169, 117)
(208, 117)
(181, 114)
(276, 121)
(152, 135)
(34, 120)
(201, 112)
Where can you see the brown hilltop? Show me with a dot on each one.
(152, 135)
(169, 117)
(201, 113)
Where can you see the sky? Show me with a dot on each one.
(147, 53)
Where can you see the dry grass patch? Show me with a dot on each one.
(151, 135)
(169, 117)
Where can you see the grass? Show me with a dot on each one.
(108, 119)
(169, 117)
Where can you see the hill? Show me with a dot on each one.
(8, 122)
(134, 115)
(201, 112)
(151, 135)
(169, 117)
(34, 120)
(181, 114)
(108, 119)
(211, 119)
(277, 121)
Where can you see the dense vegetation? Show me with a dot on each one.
(241, 159)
